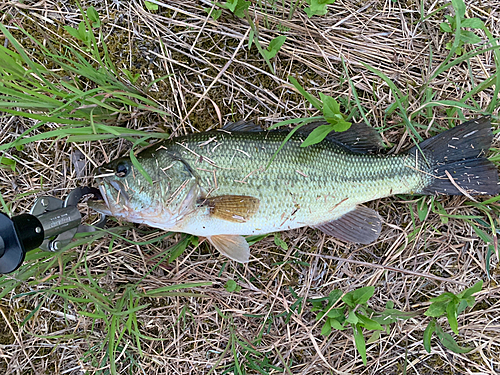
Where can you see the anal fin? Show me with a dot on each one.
(233, 246)
(361, 225)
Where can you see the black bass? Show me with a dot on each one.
(221, 185)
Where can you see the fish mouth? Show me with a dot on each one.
(101, 205)
(115, 199)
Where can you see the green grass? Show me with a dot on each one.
(114, 311)
(83, 100)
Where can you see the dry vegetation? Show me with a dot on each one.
(213, 78)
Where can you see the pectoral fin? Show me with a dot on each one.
(234, 247)
(234, 208)
(362, 225)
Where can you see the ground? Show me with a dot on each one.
(114, 303)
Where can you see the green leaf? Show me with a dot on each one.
(359, 340)
(336, 313)
(216, 13)
(341, 125)
(449, 342)
(352, 317)
(151, 6)
(177, 249)
(231, 5)
(331, 111)
(446, 296)
(274, 46)
(473, 23)
(481, 234)
(469, 37)
(254, 239)
(334, 296)
(317, 135)
(327, 328)
(238, 7)
(368, 323)
(331, 108)
(445, 26)
(439, 209)
(92, 315)
(436, 309)
(232, 286)
(316, 11)
(451, 20)
(374, 337)
(389, 316)
(130, 76)
(451, 313)
(470, 291)
(82, 32)
(429, 330)
(463, 305)
(279, 242)
(251, 35)
(317, 7)
(459, 7)
(242, 8)
(139, 167)
(8, 163)
(338, 324)
(317, 306)
(93, 17)
(194, 241)
(358, 296)
(422, 209)
(11, 61)
(72, 31)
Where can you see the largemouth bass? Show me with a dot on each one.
(220, 185)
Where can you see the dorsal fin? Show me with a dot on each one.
(242, 126)
(359, 138)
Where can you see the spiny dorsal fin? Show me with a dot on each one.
(361, 225)
(233, 246)
(235, 208)
(359, 138)
(242, 126)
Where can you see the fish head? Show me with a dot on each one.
(129, 195)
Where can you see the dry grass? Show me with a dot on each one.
(214, 78)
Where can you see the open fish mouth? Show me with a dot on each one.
(115, 198)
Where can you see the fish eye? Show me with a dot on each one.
(122, 169)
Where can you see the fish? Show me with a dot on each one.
(224, 184)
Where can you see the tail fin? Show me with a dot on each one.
(461, 151)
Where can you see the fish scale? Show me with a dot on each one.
(301, 186)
